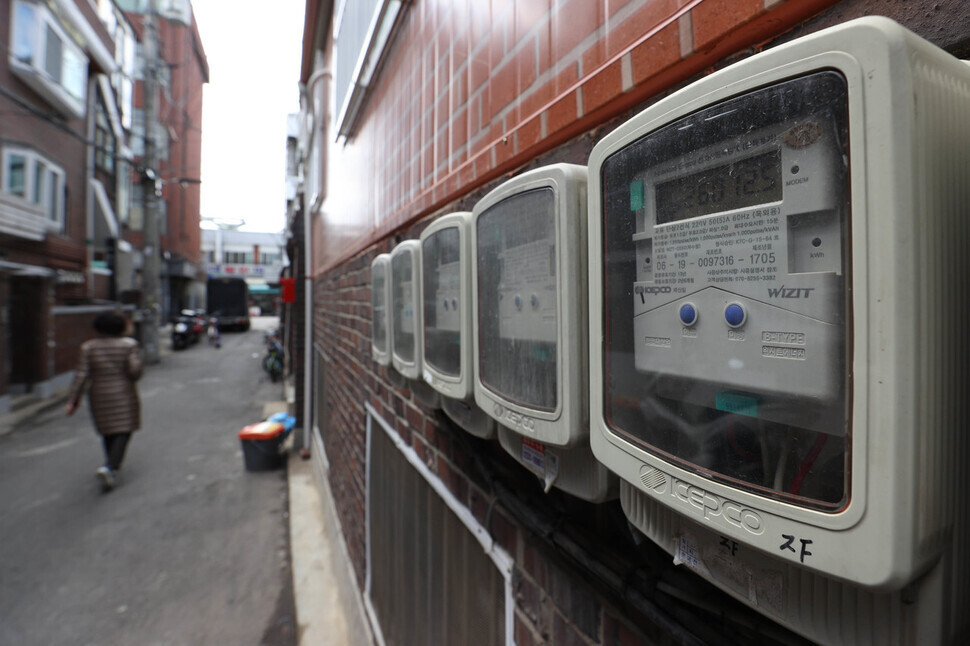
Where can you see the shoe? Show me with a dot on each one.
(106, 477)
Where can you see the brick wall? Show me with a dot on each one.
(477, 90)
(471, 90)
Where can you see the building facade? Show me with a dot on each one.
(65, 91)
(73, 179)
(182, 71)
(259, 258)
(413, 110)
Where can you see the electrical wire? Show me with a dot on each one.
(796, 483)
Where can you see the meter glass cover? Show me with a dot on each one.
(518, 324)
(725, 251)
(441, 273)
(402, 300)
(377, 294)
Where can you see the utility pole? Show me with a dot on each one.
(152, 185)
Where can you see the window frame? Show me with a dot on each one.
(65, 89)
(363, 51)
(45, 200)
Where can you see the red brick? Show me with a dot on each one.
(566, 79)
(414, 418)
(503, 87)
(459, 128)
(466, 173)
(561, 114)
(602, 88)
(535, 101)
(442, 109)
(523, 635)
(659, 52)
(527, 14)
(571, 23)
(621, 36)
(712, 19)
(528, 134)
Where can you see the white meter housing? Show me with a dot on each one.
(778, 298)
(447, 317)
(380, 296)
(405, 301)
(529, 302)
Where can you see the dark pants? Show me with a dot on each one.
(114, 449)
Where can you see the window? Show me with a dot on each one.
(138, 136)
(33, 178)
(363, 29)
(269, 258)
(45, 58)
(238, 258)
(104, 139)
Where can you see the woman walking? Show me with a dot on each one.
(110, 365)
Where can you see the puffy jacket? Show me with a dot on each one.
(109, 367)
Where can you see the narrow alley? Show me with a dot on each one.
(189, 549)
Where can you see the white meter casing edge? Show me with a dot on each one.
(449, 298)
(907, 228)
(565, 424)
(380, 314)
(455, 305)
(406, 255)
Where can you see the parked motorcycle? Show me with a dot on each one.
(273, 361)
(187, 329)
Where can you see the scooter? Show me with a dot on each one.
(183, 332)
(215, 336)
(273, 361)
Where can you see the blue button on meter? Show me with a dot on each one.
(735, 315)
(688, 314)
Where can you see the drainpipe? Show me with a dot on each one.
(308, 256)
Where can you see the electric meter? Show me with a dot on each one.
(446, 289)
(777, 282)
(406, 346)
(529, 287)
(380, 296)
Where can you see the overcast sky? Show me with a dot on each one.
(254, 50)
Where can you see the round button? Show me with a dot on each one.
(454, 304)
(534, 301)
(735, 315)
(446, 304)
(518, 302)
(688, 314)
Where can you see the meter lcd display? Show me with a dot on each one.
(725, 238)
(517, 299)
(744, 183)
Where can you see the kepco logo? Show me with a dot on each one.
(709, 506)
(651, 290)
(513, 419)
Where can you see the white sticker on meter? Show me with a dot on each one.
(527, 292)
(407, 307)
(447, 297)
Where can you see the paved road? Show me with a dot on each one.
(189, 549)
